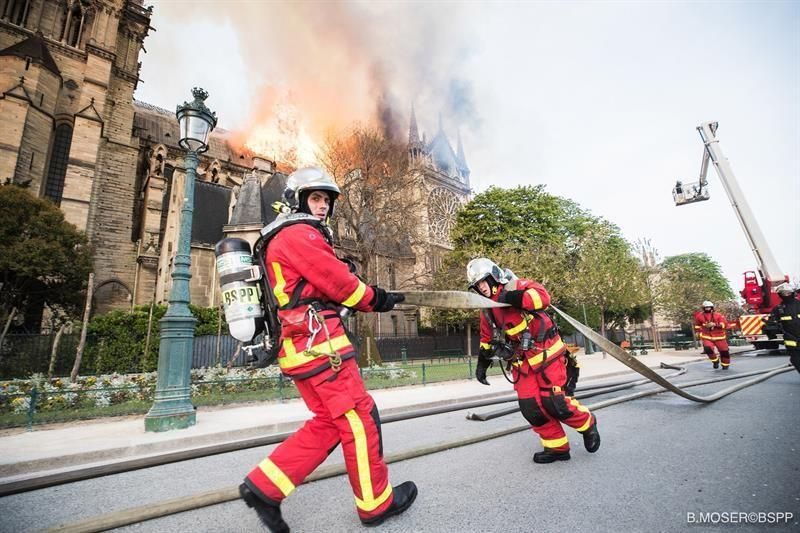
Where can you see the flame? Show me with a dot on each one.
(279, 132)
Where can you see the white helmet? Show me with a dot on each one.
(708, 304)
(480, 268)
(305, 180)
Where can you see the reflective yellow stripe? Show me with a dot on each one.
(354, 298)
(537, 300)
(726, 364)
(486, 345)
(586, 426)
(369, 502)
(277, 476)
(710, 338)
(578, 405)
(790, 343)
(518, 328)
(555, 443)
(292, 358)
(280, 283)
(714, 360)
(539, 357)
(787, 317)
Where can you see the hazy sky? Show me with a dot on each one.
(598, 101)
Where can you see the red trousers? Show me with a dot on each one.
(546, 406)
(722, 348)
(343, 412)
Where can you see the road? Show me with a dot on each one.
(662, 459)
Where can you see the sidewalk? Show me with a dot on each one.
(66, 446)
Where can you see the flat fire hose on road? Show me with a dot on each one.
(637, 366)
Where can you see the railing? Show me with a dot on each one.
(56, 401)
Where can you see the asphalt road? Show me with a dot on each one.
(663, 462)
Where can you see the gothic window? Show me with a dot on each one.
(57, 171)
(16, 11)
(74, 23)
(442, 208)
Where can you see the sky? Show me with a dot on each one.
(598, 101)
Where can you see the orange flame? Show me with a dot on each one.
(280, 132)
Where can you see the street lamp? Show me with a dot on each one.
(172, 408)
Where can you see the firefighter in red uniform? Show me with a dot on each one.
(711, 326)
(309, 285)
(524, 336)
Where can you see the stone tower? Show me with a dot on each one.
(68, 70)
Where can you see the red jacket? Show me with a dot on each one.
(514, 321)
(301, 253)
(702, 321)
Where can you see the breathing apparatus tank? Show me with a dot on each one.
(239, 280)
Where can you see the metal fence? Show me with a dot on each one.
(26, 354)
(54, 401)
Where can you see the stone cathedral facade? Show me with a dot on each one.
(72, 132)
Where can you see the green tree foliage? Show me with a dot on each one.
(607, 276)
(550, 239)
(43, 258)
(685, 281)
(119, 337)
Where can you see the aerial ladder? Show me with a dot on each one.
(759, 286)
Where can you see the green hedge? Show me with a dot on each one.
(119, 338)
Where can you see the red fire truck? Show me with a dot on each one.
(759, 286)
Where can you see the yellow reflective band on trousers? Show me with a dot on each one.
(786, 317)
(578, 406)
(280, 284)
(539, 357)
(710, 338)
(486, 345)
(554, 443)
(277, 476)
(726, 364)
(537, 300)
(367, 502)
(292, 358)
(354, 298)
(585, 426)
(790, 343)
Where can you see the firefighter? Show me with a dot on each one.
(309, 285)
(524, 337)
(711, 326)
(787, 315)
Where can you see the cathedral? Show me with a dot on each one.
(73, 133)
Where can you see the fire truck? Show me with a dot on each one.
(759, 286)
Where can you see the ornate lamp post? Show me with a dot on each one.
(173, 407)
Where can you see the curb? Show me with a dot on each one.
(22, 469)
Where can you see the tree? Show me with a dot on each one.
(44, 260)
(687, 280)
(608, 276)
(377, 211)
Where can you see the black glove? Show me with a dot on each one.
(383, 301)
(484, 362)
(512, 298)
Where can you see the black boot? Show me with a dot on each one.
(269, 513)
(550, 456)
(404, 496)
(716, 364)
(591, 438)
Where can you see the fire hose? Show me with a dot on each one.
(196, 501)
(637, 366)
